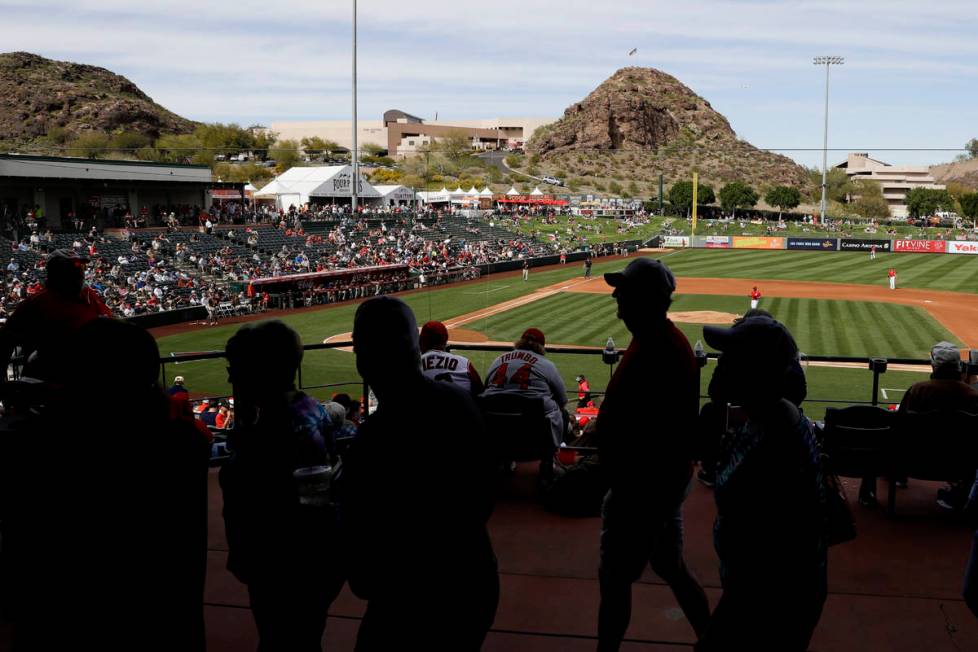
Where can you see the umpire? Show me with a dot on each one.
(649, 407)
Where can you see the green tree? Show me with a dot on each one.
(972, 147)
(128, 142)
(285, 153)
(178, 148)
(372, 149)
(969, 205)
(315, 146)
(262, 139)
(869, 201)
(633, 188)
(224, 139)
(923, 202)
(681, 195)
(615, 188)
(737, 194)
(454, 146)
(784, 197)
(91, 144)
(838, 186)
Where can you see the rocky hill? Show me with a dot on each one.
(39, 96)
(642, 122)
(964, 173)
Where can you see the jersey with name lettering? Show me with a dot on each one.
(530, 374)
(451, 368)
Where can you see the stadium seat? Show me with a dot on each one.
(860, 442)
(518, 428)
(938, 446)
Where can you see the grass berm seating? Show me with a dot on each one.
(519, 430)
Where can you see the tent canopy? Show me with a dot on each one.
(296, 185)
(536, 191)
(486, 192)
(512, 191)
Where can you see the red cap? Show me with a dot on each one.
(433, 334)
(534, 334)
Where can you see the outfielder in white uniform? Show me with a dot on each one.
(525, 371)
(439, 364)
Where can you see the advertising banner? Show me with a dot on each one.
(920, 246)
(858, 244)
(675, 241)
(757, 242)
(814, 244)
(712, 241)
(962, 247)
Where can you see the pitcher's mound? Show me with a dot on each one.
(703, 317)
(454, 335)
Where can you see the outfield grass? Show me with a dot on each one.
(845, 328)
(937, 271)
(905, 331)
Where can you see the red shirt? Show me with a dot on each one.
(891, 273)
(755, 295)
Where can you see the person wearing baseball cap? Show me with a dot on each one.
(643, 434)
(438, 364)
(946, 390)
(527, 372)
(438, 516)
(770, 533)
(583, 391)
(43, 322)
(178, 387)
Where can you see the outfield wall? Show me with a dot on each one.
(769, 243)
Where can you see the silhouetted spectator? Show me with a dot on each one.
(283, 548)
(770, 528)
(42, 323)
(526, 371)
(111, 535)
(713, 416)
(438, 364)
(643, 433)
(946, 390)
(421, 554)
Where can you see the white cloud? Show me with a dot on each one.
(253, 61)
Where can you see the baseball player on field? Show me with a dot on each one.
(872, 252)
(526, 371)
(439, 364)
(891, 273)
(755, 298)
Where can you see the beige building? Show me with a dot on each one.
(895, 181)
(402, 134)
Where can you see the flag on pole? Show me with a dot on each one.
(695, 187)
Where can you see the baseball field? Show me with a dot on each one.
(835, 304)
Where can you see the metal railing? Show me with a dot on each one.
(878, 366)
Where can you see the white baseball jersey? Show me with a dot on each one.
(530, 374)
(448, 367)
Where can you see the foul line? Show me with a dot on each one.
(501, 287)
(542, 293)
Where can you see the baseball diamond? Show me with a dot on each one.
(854, 315)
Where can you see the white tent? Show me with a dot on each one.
(394, 195)
(512, 191)
(443, 190)
(485, 192)
(458, 191)
(536, 192)
(295, 186)
(472, 192)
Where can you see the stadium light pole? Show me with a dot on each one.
(353, 153)
(828, 62)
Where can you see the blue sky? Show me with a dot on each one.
(910, 79)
